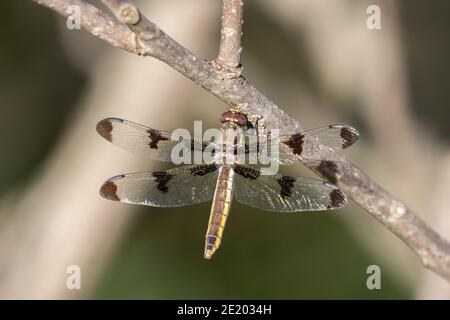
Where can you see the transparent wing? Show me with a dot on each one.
(318, 143)
(171, 188)
(144, 141)
(280, 193)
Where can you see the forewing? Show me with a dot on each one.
(171, 188)
(280, 193)
(144, 141)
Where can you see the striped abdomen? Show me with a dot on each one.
(219, 211)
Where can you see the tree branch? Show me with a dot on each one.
(431, 248)
(230, 34)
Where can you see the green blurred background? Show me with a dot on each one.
(158, 254)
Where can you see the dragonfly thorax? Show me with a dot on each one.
(231, 144)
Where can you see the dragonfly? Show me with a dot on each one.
(222, 182)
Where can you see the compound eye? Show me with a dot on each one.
(240, 119)
(234, 117)
(225, 117)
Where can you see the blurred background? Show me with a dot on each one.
(315, 59)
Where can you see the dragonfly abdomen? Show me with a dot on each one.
(220, 209)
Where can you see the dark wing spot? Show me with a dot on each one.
(337, 199)
(329, 170)
(104, 128)
(250, 125)
(200, 145)
(155, 137)
(162, 178)
(286, 183)
(109, 191)
(295, 142)
(202, 170)
(349, 136)
(248, 173)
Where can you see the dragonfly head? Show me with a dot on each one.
(233, 118)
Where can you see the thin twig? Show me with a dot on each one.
(431, 248)
(230, 33)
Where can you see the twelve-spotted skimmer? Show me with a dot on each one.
(221, 182)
